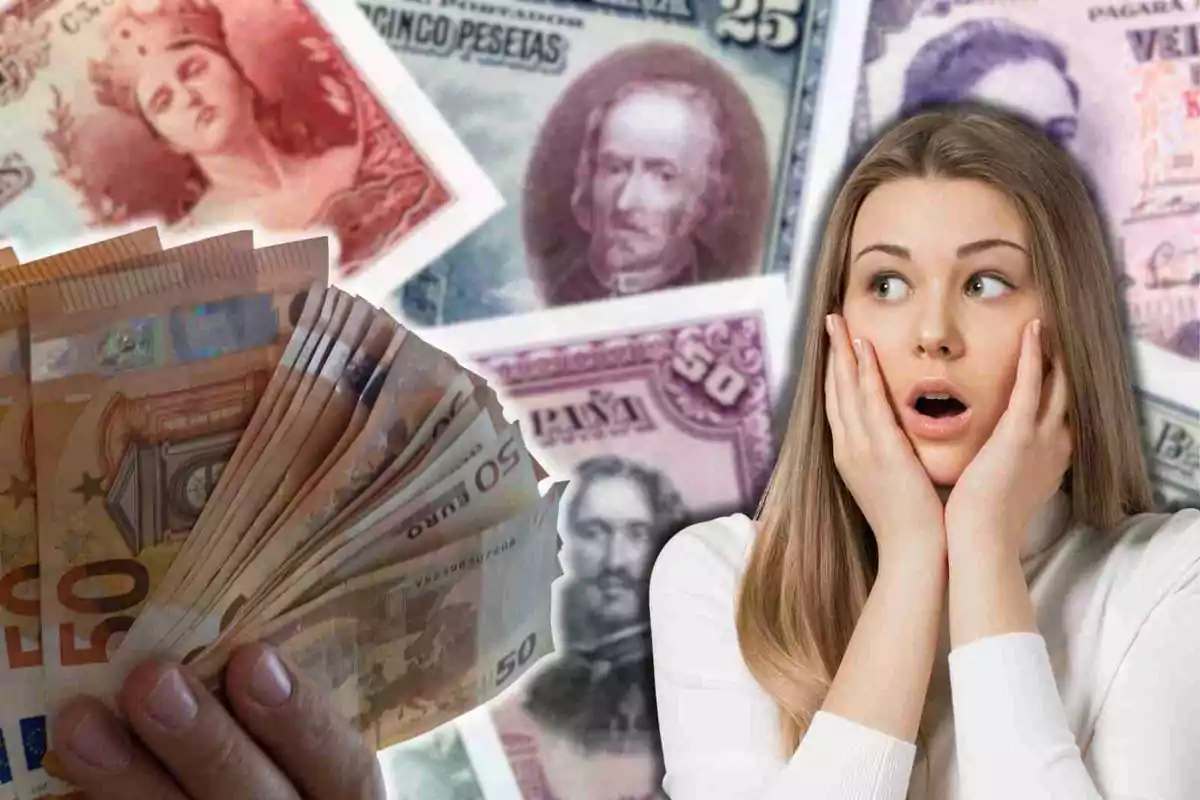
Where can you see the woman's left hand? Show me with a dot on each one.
(1020, 466)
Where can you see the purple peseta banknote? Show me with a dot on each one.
(659, 414)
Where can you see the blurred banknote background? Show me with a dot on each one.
(469, 160)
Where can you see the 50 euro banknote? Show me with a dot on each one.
(407, 647)
(22, 715)
(141, 382)
(378, 519)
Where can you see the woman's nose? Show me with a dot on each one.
(937, 335)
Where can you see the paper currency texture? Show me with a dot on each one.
(290, 115)
(639, 145)
(21, 667)
(656, 420)
(1118, 84)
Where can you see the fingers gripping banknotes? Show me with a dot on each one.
(1118, 84)
(655, 423)
(640, 145)
(289, 114)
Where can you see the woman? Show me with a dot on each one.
(955, 541)
(327, 156)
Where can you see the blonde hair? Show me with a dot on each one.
(814, 559)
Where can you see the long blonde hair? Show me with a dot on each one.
(814, 559)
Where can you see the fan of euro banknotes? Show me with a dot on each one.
(209, 445)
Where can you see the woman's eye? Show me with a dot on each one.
(987, 286)
(160, 101)
(889, 287)
(191, 68)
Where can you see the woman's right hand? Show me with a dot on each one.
(874, 457)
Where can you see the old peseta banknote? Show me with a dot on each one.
(658, 416)
(639, 144)
(200, 115)
(1116, 83)
(463, 760)
(1168, 394)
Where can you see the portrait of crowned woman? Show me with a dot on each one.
(234, 129)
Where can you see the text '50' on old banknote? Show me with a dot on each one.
(639, 144)
(655, 419)
(1117, 84)
(288, 115)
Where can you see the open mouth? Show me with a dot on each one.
(936, 410)
(939, 405)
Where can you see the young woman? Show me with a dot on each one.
(953, 576)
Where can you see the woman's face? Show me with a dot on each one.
(196, 100)
(940, 282)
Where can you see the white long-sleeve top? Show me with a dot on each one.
(1103, 704)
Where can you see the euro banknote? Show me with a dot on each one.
(21, 716)
(207, 445)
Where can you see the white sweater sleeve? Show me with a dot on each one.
(720, 730)
(1012, 733)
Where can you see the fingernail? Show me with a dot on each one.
(829, 323)
(858, 346)
(270, 684)
(1037, 329)
(171, 703)
(99, 741)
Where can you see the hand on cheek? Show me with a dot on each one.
(1022, 463)
(875, 460)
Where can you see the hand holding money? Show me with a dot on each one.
(279, 738)
(228, 450)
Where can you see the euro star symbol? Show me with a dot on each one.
(76, 546)
(90, 487)
(13, 546)
(19, 490)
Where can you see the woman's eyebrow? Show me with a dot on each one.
(968, 249)
(971, 248)
(891, 249)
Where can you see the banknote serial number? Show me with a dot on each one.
(79, 14)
